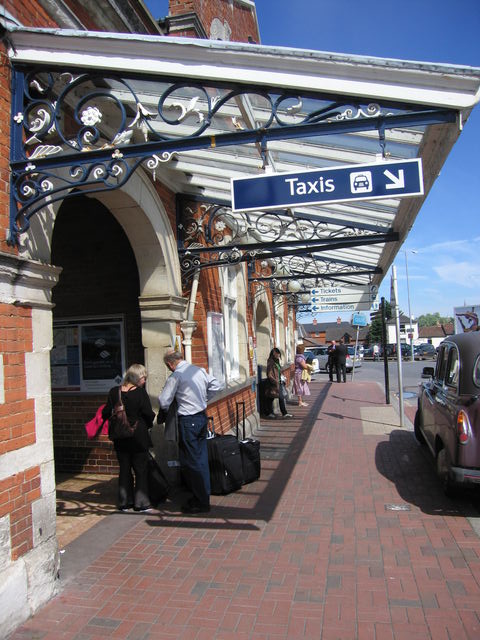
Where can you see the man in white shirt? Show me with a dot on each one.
(192, 387)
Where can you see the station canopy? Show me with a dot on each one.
(91, 108)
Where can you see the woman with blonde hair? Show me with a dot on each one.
(132, 452)
(300, 386)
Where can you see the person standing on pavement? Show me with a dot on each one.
(341, 361)
(132, 453)
(332, 359)
(300, 387)
(274, 387)
(192, 387)
(376, 352)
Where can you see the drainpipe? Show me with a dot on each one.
(188, 326)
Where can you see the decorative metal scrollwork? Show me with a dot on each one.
(30, 187)
(214, 225)
(111, 123)
(87, 111)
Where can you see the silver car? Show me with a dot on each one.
(321, 354)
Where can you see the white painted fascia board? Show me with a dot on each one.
(438, 85)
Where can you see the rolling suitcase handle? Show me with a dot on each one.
(210, 427)
(237, 405)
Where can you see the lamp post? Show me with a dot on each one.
(405, 251)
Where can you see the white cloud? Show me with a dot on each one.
(465, 274)
(468, 245)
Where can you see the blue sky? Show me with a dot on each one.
(445, 270)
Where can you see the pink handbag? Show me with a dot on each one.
(97, 425)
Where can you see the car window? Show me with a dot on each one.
(452, 368)
(476, 372)
(441, 363)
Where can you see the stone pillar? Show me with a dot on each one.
(29, 559)
(160, 315)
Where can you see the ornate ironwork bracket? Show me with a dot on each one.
(91, 130)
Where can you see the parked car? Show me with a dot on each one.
(310, 357)
(389, 349)
(425, 351)
(356, 359)
(321, 354)
(447, 420)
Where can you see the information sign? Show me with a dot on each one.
(359, 320)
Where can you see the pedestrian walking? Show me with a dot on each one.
(192, 387)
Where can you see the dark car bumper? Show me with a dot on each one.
(465, 476)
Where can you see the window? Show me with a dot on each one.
(442, 363)
(451, 377)
(476, 372)
(230, 305)
(216, 346)
(87, 355)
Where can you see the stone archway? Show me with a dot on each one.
(143, 216)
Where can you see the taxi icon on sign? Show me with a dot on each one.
(361, 182)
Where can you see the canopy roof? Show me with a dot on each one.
(199, 113)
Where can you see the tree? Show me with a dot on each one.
(375, 333)
(433, 319)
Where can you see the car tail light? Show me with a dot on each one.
(463, 427)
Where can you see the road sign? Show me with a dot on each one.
(335, 184)
(359, 320)
(344, 294)
(343, 299)
(351, 306)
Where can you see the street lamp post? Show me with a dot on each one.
(412, 355)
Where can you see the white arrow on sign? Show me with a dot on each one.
(398, 182)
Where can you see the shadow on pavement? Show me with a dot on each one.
(282, 443)
(403, 461)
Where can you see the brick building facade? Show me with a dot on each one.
(92, 260)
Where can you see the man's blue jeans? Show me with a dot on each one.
(193, 456)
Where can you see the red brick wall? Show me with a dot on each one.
(29, 13)
(241, 21)
(16, 496)
(17, 419)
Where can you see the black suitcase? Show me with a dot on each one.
(249, 451)
(224, 461)
(157, 482)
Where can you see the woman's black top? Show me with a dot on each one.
(138, 407)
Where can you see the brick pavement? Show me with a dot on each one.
(346, 536)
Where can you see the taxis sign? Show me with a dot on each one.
(335, 184)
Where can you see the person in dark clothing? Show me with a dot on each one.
(341, 361)
(332, 359)
(132, 453)
(274, 387)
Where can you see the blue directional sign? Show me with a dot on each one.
(335, 184)
(359, 320)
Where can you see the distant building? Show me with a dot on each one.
(434, 335)
(405, 330)
(325, 332)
